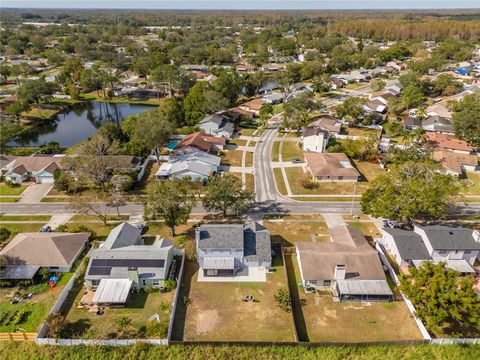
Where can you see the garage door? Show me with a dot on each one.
(45, 180)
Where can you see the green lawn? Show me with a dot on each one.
(473, 184)
(139, 308)
(7, 218)
(35, 309)
(279, 181)
(41, 113)
(275, 150)
(121, 99)
(16, 228)
(296, 177)
(369, 170)
(290, 231)
(290, 151)
(6, 190)
(329, 321)
(218, 313)
(9, 199)
(354, 131)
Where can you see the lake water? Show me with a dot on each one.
(79, 123)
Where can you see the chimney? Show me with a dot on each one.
(340, 272)
(133, 276)
(476, 235)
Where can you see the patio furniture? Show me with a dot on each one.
(248, 298)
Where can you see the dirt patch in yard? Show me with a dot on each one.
(206, 321)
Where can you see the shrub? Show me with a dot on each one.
(186, 300)
(11, 184)
(62, 228)
(156, 329)
(307, 183)
(19, 317)
(282, 297)
(170, 285)
(123, 322)
(37, 289)
(150, 289)
(83, 228)
(4, 234)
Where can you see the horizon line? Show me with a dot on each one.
(236, 9)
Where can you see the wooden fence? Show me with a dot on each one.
(18, 336)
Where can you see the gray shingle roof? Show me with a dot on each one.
(257, 244)
(122, 235)
(409, 244)
(221, 236)
(450, 237)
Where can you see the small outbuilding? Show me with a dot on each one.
(112, 292)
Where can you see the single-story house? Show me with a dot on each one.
(328, 123)
(253, 105)
(442, 141)
(331, 167)
(227, 249)
(455, 163)
(40, 168)
(394, 88)
(218, 124)
(200, 141)
(440, 110)
(124, 255)
(438, 124)
(26, 253)
(273, 98)
(432, 242)
(196, 165)
(314, 139)
(375, 106)
(348, 266)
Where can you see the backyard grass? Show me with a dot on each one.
(138, 309)
(296, 176)
(354, 131)
(329, 321)
(40, 113)
(6, 190)
(279, 181)
(121, 99)
(472, 183)
(290, 151)
(289, 231)
(218, 313)
(369, 170)
(232, 158)
(36, 308)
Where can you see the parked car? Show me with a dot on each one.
(392, 224)
(297, 161)
(45, 228)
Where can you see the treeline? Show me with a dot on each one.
(401, 25)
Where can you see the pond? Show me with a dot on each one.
(78, 123)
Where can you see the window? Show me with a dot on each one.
(442, 252)
(156, 282)
(312, 281)
(327, 282)
(340, 178)
(144, 282)
(466, 252)
(54, 268)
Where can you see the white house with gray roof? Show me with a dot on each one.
(124, 255)
(227, 249)
(457, 246)
(197, 165)
(218, 125)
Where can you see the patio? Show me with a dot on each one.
(247, 274)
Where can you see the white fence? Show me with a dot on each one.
(91, 342)
(175, 299)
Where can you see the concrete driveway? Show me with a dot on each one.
(34, 193)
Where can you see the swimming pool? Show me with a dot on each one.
(172, 144)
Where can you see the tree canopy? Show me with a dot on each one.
(443, 300)
(466, 119)
(414, 190)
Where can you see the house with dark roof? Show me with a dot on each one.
(228, 249)
(347, 266)
(314, 139)
(27, 253)
(439, 124)
(457, 246)
(328, 123)
(125, 255)
(218, 124)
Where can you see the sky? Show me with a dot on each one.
(243, 4)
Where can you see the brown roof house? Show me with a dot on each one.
(442, 141)
(28, 252)
(331, 167)
(348, 266)
(253, 105)
(328, 123)
(40, 168)
(200, 141)
(454, 163)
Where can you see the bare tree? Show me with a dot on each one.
(88, 205)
